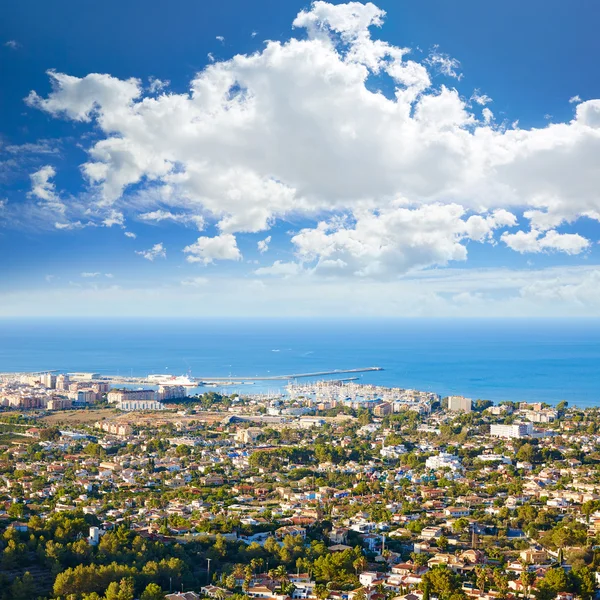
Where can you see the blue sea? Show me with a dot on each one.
(519, 360)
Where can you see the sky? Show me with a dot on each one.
(397, 158)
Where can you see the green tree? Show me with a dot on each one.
(152, 592)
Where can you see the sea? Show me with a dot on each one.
(501, 359)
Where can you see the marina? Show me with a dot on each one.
(187, 381)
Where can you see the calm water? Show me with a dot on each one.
(496, 359)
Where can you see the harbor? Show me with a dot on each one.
(186, 381)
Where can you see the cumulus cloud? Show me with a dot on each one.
(263, 245)
(280, 269)
(157, 251)
(583, 292)
(43, 188)
(208, 249)
(397, 240)
(534, 241)
(297, 129)
(130, 234)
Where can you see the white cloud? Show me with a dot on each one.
(39, 147)
(114, 217)
(157, 85)
(297, 129)
(263, 245)
(195, 282)
(109, 275)
(220, 38)
(582, 292)
(89, 274)
(280, 269)
(164, 215)
(534, 241)
(481, 99)
(157, 251)
(43, 188)
(130, 234)
(12, 44)
(445, 64)
(395, 241)
(69, 226)
(208, 249)
(575, 100)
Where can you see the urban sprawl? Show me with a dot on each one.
(329, 490)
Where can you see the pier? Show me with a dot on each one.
(119, 379)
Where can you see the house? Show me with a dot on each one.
(457, 512)
(368, 578)
(259, 591)
(429, 533)
(290, 530)
(533, 556)
(213, 591)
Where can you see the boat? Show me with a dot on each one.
(182, 380)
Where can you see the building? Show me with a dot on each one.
(459, 404)
(48, 380)
(117, 395)
(248, 435)
(62, 383)
(59, 403)
(518, 430)
(443, 461)
(171, 392)
(83, 396)
(128, 405)
(100, 387)
(94, 536)
(383, 409)
(121, 429)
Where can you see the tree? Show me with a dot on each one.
(557, 580)
(585, 582)
(442, 542)
(526, 453)
(360, 564)
(527, 579)
(441, 581)
(482, 577)
(321, 591)
(50, 434)
(23, 588)
(152, 592)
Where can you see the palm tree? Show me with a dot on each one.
(527, 578)
(360, 564)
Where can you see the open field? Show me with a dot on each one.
(78, 417)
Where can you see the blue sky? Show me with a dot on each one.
(471, 192)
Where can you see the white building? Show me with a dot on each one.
(444, 461)
(129, 405)
(517, 430)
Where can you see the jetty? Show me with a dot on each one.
(119, 379)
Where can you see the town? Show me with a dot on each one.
(328, 489)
